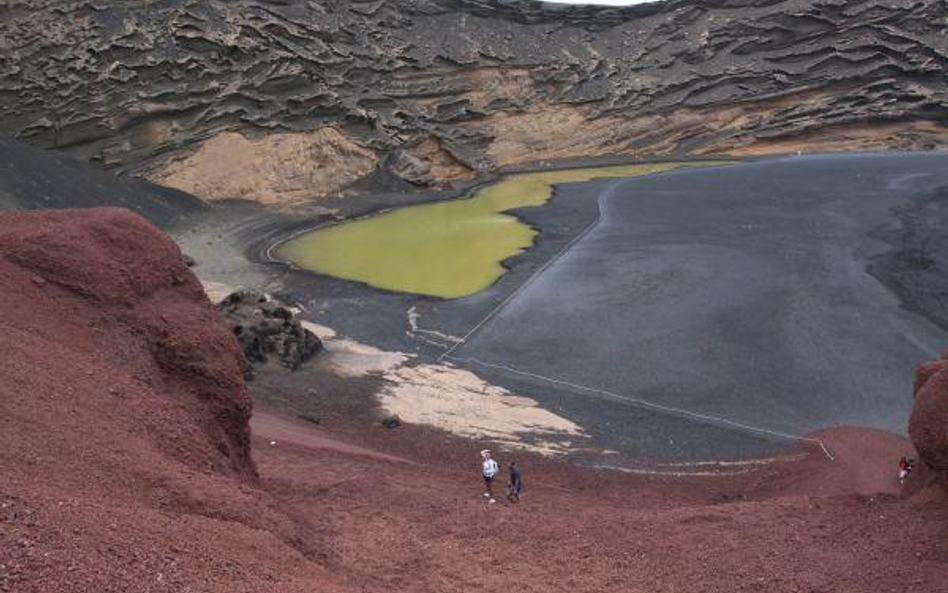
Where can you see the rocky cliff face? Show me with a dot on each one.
(104, 318)
(124, 440)
(928, 424)
(324, 90)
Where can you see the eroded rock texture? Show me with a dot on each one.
(445, 88)
(928, 424)
(266, 327)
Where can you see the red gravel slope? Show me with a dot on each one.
(124, 445)
(125, 465)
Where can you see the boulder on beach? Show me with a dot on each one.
(265, 328)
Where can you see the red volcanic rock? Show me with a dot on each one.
(117, 277)
(124, 467)
(928, 425)
(124, 439)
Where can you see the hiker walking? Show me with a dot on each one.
(905, 468)
(513, 484)
(489, 470)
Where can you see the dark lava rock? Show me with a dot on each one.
(132, 85)
(410, 168)
(265, 327)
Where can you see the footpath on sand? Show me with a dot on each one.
(807, 524)
(277, 427)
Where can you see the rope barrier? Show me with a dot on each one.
(647, 404)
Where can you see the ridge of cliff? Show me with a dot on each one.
(290, 100)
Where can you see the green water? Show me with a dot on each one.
(446, 249)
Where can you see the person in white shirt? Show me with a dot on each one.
(489, 469)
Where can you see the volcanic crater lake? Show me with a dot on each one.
(446, 249)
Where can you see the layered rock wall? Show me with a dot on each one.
(462, 86)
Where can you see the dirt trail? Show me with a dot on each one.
(276, 427)
(802, 525)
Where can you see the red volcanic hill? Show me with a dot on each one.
(125, 466)
(124, 438)
(928, 424)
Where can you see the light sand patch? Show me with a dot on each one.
(279, 168)
(440, 395)
(458, 401)
(216, 291)
(442, 166)
(348, 358)
(447, 397)
(324, 332)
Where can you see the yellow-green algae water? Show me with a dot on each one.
(446, 249)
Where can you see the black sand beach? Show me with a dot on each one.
(739, 293)
(753, 316)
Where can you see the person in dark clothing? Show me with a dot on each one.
(513, 484)
(905, 468)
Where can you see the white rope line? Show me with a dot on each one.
(673, 474)
(647, 404)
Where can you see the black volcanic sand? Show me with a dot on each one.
(738, 292)
(31, 179)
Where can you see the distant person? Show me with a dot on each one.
(905, 468)
(513, 484)
(489, 469)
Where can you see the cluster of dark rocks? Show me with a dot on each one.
(266, 329)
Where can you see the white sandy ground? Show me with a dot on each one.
(348, 358)
(441, 395)
(460, 402)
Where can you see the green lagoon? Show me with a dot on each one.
(445, 249)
